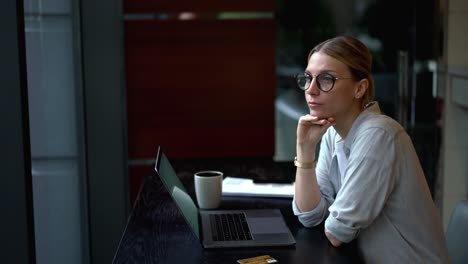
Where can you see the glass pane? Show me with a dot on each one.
(54, 130)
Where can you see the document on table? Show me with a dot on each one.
(246, 187)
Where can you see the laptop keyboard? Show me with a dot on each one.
(230, 227)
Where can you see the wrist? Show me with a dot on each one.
(305, 154)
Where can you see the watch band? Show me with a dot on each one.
(304, 165)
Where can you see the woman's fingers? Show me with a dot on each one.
(313, 120)
(308, 119)
(311, 129)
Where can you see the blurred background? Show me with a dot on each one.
(104, 83)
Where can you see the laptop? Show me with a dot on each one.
(225, 228)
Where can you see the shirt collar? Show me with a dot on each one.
(372, 108)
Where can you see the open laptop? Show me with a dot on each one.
(219, 228)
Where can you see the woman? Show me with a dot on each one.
(367, 182)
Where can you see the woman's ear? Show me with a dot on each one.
(361, 88)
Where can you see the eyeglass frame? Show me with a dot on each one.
(319, 86)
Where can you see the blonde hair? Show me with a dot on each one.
(355, 55)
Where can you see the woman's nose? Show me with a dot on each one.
(313, 88)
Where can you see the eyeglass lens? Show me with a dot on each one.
(324, 81)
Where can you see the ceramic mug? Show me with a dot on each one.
(208, 188)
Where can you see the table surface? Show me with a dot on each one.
(156, 232)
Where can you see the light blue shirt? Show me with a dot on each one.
(382, 195)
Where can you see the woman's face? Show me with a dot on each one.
(339, 100)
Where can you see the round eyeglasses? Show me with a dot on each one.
(325, 81)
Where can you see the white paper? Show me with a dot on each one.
(246, 187)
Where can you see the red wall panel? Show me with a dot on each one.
(138, 173)
(152, 6)
(200, 88)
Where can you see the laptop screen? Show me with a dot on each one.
(177, 191)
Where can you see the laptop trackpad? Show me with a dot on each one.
(267, 225)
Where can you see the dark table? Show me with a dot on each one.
(157, 233)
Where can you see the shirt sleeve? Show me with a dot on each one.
(313, 217)
(368, 181)
(318, 214)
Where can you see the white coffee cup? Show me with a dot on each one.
(208, 188)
